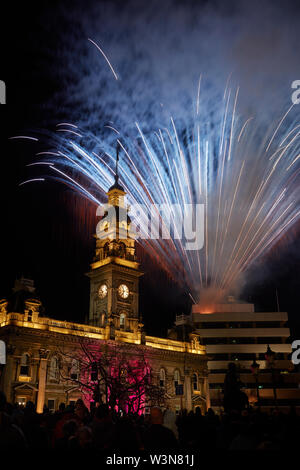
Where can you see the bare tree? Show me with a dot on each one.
(116, 374)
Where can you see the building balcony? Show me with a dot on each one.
(247, 348)
(243, 332)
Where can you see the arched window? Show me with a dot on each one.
(195, 382)
(74, 372)
(122, 321)
(122, 250)
(54, 369)
(123, 375)
(24, 365)
(162, 377)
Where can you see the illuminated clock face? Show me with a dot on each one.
(102, 291)
(123, 291)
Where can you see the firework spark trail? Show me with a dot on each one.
(232, 123)
(198, 95)
(247, 181)
(105, 57)
(245, 239)
(23, 137)
(246, 257)
(278, 127)
(76, 184)
(31, 181)
(243, 128)
(219, 210)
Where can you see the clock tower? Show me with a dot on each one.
(114, 275)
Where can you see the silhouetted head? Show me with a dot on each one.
(84, 436)
(102, 411)
(30, 406)
(231, 367)
(79, 402)
(69, 428)
(62, 407)
(156, 415)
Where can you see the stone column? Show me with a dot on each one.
(188, 392)
(42, 381)
(7, 373)
(207, 394)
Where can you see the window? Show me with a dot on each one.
(162, 377)
(176, 378)
(24, 367)
(176, 381)
(106, 250)
(195, 382)
(54, 369)
(51, 405)
(123, 375)
(21, 401)
(29, 316)
(122, 250)
(74, 373)
(267, 340)
(122, 321)
(94, 372)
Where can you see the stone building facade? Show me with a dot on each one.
(35, 343)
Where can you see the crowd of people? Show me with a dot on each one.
(75, 427)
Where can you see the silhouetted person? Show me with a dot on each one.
(234, 398)
(102, 427)
(69, 430)
(157, 436)
(11, 436)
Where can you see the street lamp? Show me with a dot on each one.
(255, 368)
(270, 358)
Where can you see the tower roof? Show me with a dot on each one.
(116, 185)
(23, 291)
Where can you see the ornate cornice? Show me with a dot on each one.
(51, 338)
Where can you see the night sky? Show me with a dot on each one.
(46, 228)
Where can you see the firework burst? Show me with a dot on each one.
(246, 177)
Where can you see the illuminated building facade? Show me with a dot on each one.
(34, 342)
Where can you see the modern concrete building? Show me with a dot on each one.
(259, 345)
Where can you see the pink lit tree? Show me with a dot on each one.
(116, 374)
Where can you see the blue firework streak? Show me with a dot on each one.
(247, 178)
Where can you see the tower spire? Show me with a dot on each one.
(116, 184)
(117, 164)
